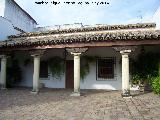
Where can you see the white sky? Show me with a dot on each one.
(116, 12)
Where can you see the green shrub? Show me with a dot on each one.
(56, 66)
(156, 85)
(145, 67)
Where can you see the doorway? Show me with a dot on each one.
(70, 74)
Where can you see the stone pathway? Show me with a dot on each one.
(52, 104)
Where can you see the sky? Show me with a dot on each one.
(116, 12)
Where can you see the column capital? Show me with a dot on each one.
(125, 49)
(125, 52)
(76, 51)
(76, 54)
(3, 56)
(36, 53)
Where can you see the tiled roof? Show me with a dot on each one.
(85, 37)
(87, 29)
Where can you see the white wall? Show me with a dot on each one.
(156, 18)
(27, 71)
(53, 82)
(6, 29)
(90, 81)
(2, 7)
(12, 16)
(18, 17)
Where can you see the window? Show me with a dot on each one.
(43, 69)
(105, 68)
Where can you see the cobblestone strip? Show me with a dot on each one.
(133, 110)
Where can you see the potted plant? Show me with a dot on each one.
(143, 69)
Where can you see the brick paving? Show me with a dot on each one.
(54, 104)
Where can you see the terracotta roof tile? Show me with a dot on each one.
(87, 29)
(82, 38)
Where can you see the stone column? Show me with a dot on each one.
(76, 73)
(125, 51)
(76, 52)
(125, 73)
(36, 74)
(36, 56)
(3, 71)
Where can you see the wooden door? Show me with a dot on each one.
(69, 74)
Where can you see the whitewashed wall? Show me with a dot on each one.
(27, 70)
(6, 29)
(90, 81)
(18, 17)
(2, 7)
(156, 18)
(12, 16)
(53, 82)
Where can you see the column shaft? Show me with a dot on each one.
(125, 75)
(76, 52)
(36, 73)
(3, 72)
(77, 73)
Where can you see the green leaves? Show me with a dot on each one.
(85, 68)
(156, 85)
(145, 67)
(56, 65)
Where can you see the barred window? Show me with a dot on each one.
(105, 68)
(43, 69)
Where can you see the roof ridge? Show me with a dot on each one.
(87, 29)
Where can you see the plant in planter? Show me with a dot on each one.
(85, 61)
(156, 85)
(56, 66)
(143, 69)
(156, 82)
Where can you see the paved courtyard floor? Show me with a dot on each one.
(52, 104)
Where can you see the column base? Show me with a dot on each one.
(34, 92)
(126, 94)
(3, 88)
(75, 94)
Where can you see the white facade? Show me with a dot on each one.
(13, 19)
(156, 18)
(90, 81)
(6, 28)
(56, 27)
(2, 7)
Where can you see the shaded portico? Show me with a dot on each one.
(77, 42)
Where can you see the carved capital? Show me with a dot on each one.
(3, 56)
(125, 49)
(76, 54)
(36, 53)
(77, 51)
